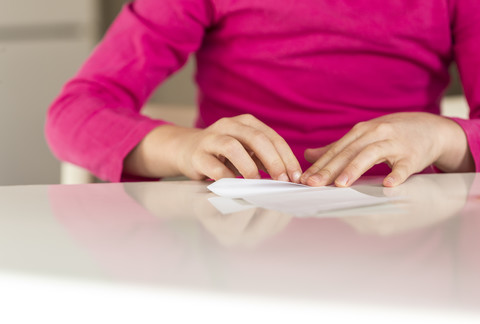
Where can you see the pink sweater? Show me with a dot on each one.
(309, 69)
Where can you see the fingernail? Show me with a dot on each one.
(283, 177)
(341, 180)
(296, 176)
(315, 180)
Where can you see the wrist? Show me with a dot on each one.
(156, 154)
(455, 153)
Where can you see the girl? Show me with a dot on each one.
(359, 81)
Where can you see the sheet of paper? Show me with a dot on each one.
(241, 188)
(294, 199)
(314, 202)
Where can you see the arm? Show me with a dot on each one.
(95, 121)
(466, 42)
(409, 142)
(240, 145)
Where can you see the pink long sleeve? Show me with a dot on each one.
(466, 44)
(95, 122)
(310, 70)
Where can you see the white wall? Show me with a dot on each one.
(42, 44)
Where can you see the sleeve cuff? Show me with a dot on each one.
(112, 170)
(472, 131)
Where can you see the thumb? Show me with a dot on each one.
(400, 173)
(312, 155)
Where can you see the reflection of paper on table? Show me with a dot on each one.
(230, 205)
(286, 197)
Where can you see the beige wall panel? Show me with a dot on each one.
(31, 75)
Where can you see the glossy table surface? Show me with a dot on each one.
(419, 254)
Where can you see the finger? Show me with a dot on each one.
(234, 151)
(259, 163)
(230, 165)
(253, 140)
(290, 165)
(212, 168)
(372, 154)
(312, 155)
(350, 156)
(333, 150)
(330, 172)
(400, 172)
(322, 173)
(265, 151)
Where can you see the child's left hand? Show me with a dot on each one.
(408, 142)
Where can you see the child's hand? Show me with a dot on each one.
(232, 146)
(239, 145)
(408, 142)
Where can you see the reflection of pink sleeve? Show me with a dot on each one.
(466, 41)
(468, 246)
(325, 257)
(122, 237)
(95, 121)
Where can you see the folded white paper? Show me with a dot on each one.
(314, 201)
(286, 197)
(241, 188)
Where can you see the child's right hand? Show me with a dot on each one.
(238, 145)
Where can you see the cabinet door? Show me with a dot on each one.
(31, 75)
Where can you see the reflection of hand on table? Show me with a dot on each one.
(245, 228)
(424, 201)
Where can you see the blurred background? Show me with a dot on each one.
(42, 44)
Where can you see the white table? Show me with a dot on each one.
(151, 252)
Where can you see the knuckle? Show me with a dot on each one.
(275, 167)
(332, 152)
(384, 129)
(328, 156)
(359, 126)
(196, 172)
(279, 142)
(313, 169)
(246, 118)
(402, 168)
(229, 145)
(349, 153)
(258, 137)
(222, 123)
(376, 149)
(405, 166)
(326, 173)
(354, 167)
